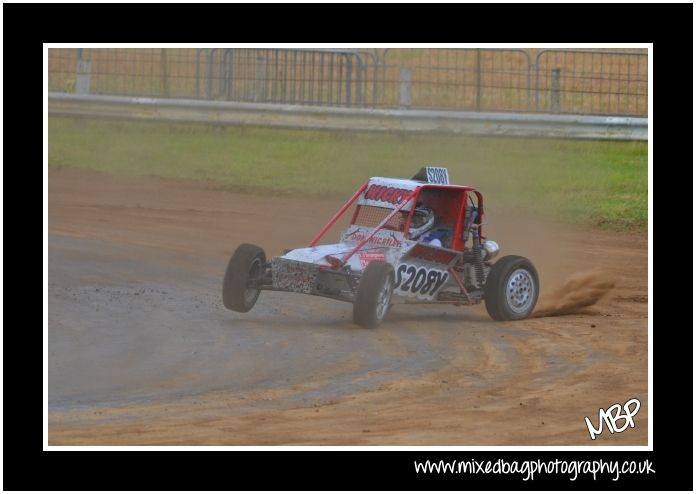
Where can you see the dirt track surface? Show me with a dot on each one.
(141, 350)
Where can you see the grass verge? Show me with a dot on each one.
(599, 183)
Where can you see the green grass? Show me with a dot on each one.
(598, 183)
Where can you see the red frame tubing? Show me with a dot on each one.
(407, 226)
(379, 227)
(456, 277)
(480, 212)
(336, 216)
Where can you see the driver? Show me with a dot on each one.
(422, 222)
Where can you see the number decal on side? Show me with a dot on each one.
(412, 272)
(433, 276)
(443, 275)
(419, 281)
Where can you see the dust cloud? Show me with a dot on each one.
(579, 291)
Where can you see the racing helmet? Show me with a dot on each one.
(423, 220)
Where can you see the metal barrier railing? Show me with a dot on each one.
(328, 77)
(593, 82)
(222, 113)
(460, 79)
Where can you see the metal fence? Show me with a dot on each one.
(606, 82)
(297, 76)
(598, 82)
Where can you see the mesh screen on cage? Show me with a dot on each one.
(371, 216)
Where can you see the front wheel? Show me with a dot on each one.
(246, 266)
(512, 289)
(374, 295)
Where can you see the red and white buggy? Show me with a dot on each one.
(376, 262)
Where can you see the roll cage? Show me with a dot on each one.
(449, 202)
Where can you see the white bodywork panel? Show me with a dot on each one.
(415, 278)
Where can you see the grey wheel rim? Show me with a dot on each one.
(383, 299)
(251, 293)
(520, 291)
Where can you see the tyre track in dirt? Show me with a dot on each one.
(141, 350)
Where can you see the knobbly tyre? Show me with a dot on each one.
(417, 241)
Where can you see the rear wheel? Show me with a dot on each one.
(246, 265)
(373, 300)
(512, 289)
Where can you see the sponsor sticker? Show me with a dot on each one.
(366, 257)
(383, 239)
(383, 193)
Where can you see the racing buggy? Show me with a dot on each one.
(416, 241)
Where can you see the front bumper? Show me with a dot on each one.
(294, 276)
(289, 275)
